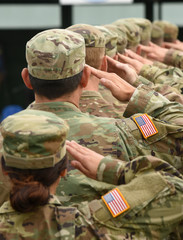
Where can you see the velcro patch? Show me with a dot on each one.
(115, 202)
(145, 125)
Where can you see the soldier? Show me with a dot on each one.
(34, 157)
(56, 60)
(158, 73)
(170, 30)
(91, 100)
(171, 57)
(132, 31)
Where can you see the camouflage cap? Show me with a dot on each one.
(157, 35)
(33, 139)
(93, 37)
(122, 38)
(55, 54)
(145, 26)
(111, 41)
(170, 30)
(132, 32)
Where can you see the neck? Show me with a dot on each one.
(53, 187)
(70, 97)
(93, 84)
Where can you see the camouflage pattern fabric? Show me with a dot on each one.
(46, 146)
(161, 65)
(132, 32)
(93, 103)
(92, 36)
(168, 76)
(170, 30)
(157, 35)
(50, 49)
(145, 26)
(111, 41)
(122, 38)
(154, 215)
(172, 94)
(117, 105)
(119, 138)
(174, 58)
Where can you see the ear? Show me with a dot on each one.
(104, 64)
(26, 79)
(85, 77)
(63, 173)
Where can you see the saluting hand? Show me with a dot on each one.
(119, 88)
(86, 160)
(121, 69)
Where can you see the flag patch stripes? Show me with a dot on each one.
(115, 202)
(145, 125)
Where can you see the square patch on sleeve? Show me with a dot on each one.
(145, 125)
(115, 202)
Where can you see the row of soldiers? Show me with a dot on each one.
(119, 173)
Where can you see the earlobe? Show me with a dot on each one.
(63, 173)
(26, 79)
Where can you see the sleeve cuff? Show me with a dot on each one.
(109, 170)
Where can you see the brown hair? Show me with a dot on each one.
(30, 187)
(94, 56)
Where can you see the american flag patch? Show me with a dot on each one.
(145, 125)
(115, 202)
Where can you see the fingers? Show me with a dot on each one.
(76, 150)
(146, 49)
(108, 84)
(79, 166)
(98, 73)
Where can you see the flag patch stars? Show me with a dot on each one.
(115, 202)
(145, 125)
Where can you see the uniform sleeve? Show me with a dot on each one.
(118, 172)
(146, 100)
(174, 58)
(171, 93)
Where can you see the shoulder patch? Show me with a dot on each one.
(115, 202)
(146, 125)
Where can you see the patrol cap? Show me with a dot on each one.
(93, 36)
(55, 54)
(145, 26)
(33, 139)
(122, 38)
(132, 32)
(170, 30)
(157, 35)
(111, 41)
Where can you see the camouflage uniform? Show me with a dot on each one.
(155, 214)
(167, 76)
(92, 102)
(119, 138)
(169, 92)
(174, 58)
